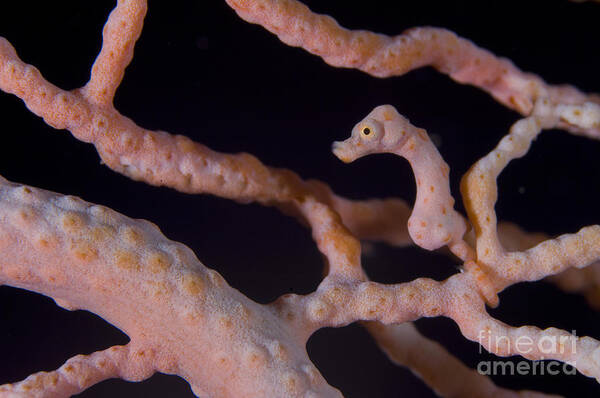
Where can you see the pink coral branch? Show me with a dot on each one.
(81, 372)
(531, 342)
(574, 280)
(156, 291)
(121, 31)
(405, 346)
(160, 158)
(383, 56)
(479, 192)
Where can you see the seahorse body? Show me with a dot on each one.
(433, 222)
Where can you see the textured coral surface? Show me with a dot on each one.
(202, 72)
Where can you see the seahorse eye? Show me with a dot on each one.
(366, 131)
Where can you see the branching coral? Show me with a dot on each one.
(183, 318)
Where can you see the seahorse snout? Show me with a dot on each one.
(343, 151)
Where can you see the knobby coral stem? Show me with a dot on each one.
(479, 191)
(120, 33)
(160, 158)
(405, 346)
(531, 342)
(83, 371)
(458, 297)
(156, 291)
(383, 56)
(54, 221)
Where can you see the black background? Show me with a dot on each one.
(201, 71)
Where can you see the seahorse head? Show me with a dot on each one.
(382, 130)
